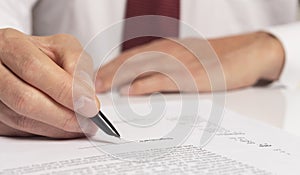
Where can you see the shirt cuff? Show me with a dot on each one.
(289, 36)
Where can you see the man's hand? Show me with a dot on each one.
(245, 59)
(36, 85)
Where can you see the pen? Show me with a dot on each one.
(104, 124)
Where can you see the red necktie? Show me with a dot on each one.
(169, 8)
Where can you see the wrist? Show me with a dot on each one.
(274, 57)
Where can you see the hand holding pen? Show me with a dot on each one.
(36, 85)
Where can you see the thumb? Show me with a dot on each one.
(84, 94)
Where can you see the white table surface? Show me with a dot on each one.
(276, 106)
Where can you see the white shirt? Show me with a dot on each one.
(213, 18)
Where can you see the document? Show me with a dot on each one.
(239, 146)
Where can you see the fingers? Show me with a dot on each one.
(132, 62)
(38, 78)
(165, 56)
(9, 131)
(28, 101)
(150, 84)
(139, 62)
(69, 54)
(14, 124)
(52, 76)
(106, 73)
(34, 67)
(66, 51)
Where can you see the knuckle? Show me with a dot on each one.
(70, 66)
(30, 66)
(66, 38)
(21, 103)
(64, 91)
(23, 122)
(6, 36)
(9, 32)
(73, 58)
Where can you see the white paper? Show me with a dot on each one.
(241, 146)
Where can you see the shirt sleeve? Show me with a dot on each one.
(17, 14)
(289, 35)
